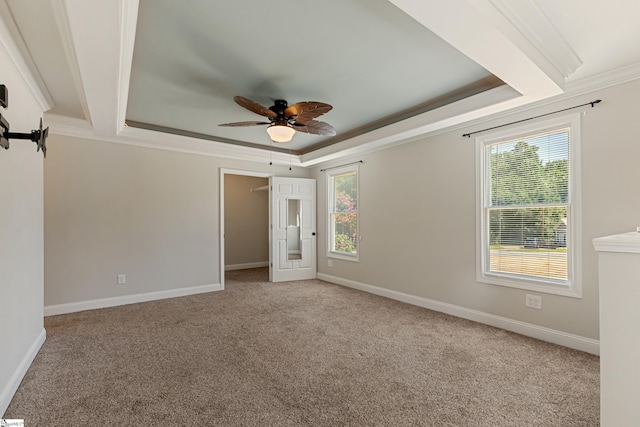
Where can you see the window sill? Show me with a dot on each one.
(343, 256)
(533, 285)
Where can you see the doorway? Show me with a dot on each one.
(244, 229)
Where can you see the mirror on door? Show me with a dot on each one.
(294, 217)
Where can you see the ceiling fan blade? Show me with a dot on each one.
(238, 124)
(302, 112)
(315, 127)
(254, 107)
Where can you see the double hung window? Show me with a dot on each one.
(529, 207)
(342, 187)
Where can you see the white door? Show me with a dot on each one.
(293, 229)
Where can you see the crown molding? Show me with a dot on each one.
(604, 80)
(185, 144)
(12, 41)
(64, 125)
(421, 126)
(82, 129)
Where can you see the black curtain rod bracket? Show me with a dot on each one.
(39, 136)
(592, 103)
(4, 128)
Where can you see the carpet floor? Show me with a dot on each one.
(305, 353)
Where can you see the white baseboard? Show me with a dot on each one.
(545, 334)
(246, 265)
(73, 307)
(10, 389)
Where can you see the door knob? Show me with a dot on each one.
(313, 234)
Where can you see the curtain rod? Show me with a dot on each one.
(592, 103)
(346, 164)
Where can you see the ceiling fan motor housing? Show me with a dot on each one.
(279, 106)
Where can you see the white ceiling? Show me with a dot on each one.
(393, 70)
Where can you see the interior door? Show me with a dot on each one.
(293, 229)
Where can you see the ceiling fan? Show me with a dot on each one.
(285, 119)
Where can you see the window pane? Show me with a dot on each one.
(530, 170)
(528, 242)
(346, 192)
(343, 213)
(345, 228)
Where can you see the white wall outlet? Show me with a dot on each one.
(329, 263)
(533, 301)
(122, 279)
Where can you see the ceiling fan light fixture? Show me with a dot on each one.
(280, 133)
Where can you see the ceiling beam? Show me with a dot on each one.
(62, 23)
(127, 42)
(527, 24)
(469, 27)
(98, 58)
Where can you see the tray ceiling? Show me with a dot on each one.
(163, 74)
(371, 61)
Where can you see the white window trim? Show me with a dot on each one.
(574, 238)
(330, 174)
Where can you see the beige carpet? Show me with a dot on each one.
(297, 354)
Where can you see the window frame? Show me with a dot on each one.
(330, 198)
(573, 286)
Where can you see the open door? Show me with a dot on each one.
(293, 229)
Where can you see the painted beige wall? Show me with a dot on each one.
(21, 236)
(246, 220)
(117, 209)
(418, 215)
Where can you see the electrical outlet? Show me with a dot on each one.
(329, 263)
(122, 279)
(533, 301)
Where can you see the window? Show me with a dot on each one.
(342, 187)
(529, 207)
